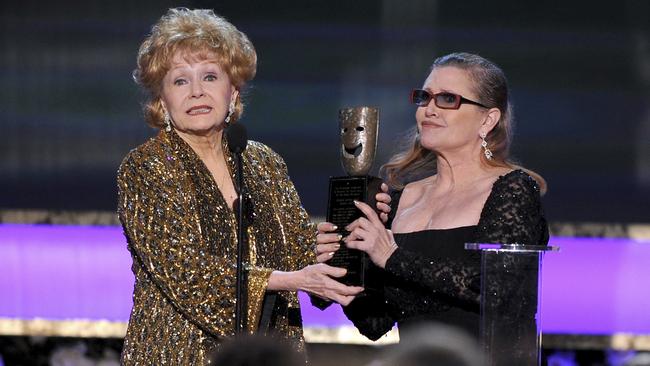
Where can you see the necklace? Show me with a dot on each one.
(230, 196)
(224, 173)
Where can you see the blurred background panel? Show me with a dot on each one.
(579, 74)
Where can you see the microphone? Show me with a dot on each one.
(237, 138)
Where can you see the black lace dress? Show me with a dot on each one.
(432, 277)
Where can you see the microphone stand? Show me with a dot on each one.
(237, 141)
(240, 306)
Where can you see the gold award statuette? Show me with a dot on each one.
(358, 128)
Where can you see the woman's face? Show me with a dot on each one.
(197, 94)
(450, 130)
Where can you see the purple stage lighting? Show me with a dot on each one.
(592, 286)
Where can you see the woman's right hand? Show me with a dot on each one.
(317, 279)
(326, 242)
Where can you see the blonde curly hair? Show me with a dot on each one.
(203, 34)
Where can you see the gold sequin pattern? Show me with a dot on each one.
(182, 238)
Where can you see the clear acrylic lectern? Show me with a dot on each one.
(510, 302)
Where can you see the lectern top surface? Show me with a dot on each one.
(511, 247)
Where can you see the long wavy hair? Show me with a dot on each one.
(491, 87)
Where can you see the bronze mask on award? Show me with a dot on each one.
(358, 129)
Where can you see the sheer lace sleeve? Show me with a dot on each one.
(513, 213)
(459, 279)
(371, 315)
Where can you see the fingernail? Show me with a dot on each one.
(334, 227)
(330, 254)
(337, 246)
(355, 202)
(339, 237)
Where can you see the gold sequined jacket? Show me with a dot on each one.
(182, 238)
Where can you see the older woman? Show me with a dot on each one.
(457, 185)
(176, 197)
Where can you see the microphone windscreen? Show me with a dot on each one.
(237, 137)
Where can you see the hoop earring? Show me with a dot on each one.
(168, 122)
(231, 110)
(484, 144)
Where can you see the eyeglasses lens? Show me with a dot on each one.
(447, 100)
(420, 97)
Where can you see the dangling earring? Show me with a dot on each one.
(486, 151)
(231, 110)
(168, 122)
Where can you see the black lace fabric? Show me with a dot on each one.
(432, 277)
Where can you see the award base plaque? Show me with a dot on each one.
(341, 211)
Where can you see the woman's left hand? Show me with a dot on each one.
(369, 235)
(326, 242)
(383, 203)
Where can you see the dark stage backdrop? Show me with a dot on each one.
(579, 72)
